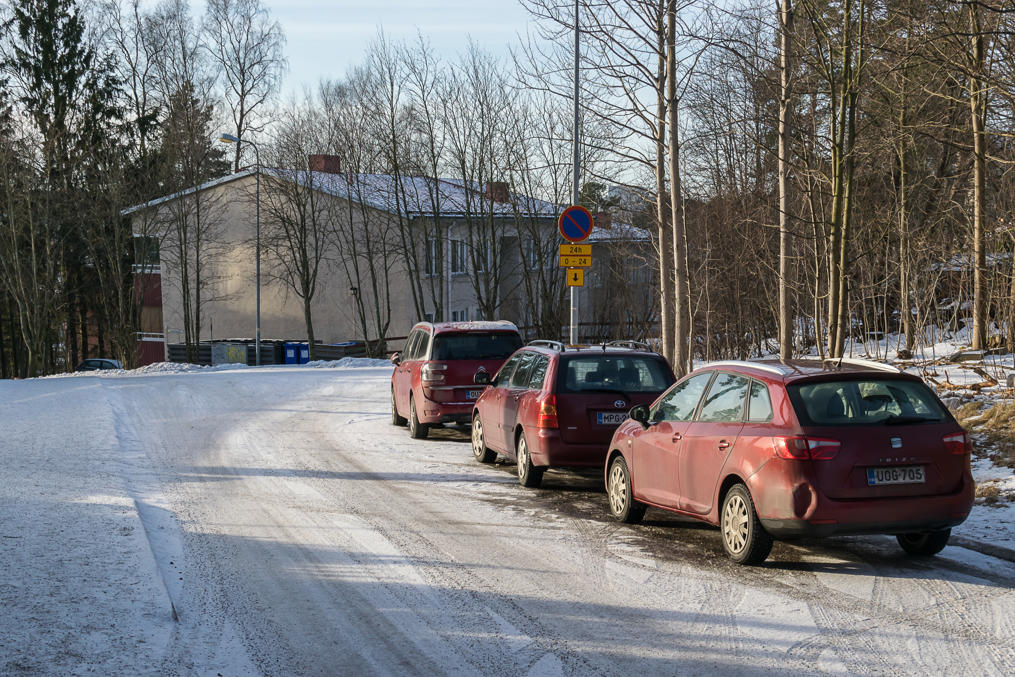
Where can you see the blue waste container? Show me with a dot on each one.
(292, 352)
(304, 353)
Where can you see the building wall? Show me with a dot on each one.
(229, 308)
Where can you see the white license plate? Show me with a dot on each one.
(903, 474)
(473, 394)
(611, 417)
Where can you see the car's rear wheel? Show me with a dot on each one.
(417, 430)
(743, 537)
(924, 543)
(482, 453)
(395, 418)
(618, 491)
(528, 474)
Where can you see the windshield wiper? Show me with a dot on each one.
(900, 419)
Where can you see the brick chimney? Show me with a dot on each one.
(331, 164)
(498, 191)
(603, 220)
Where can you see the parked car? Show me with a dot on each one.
(97, 363)
(433, 378)
(554, 406)
(806, 448)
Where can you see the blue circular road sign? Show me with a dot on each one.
(575, 224)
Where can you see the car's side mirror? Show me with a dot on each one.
(396, 359)
(640, 414)
(481, 378)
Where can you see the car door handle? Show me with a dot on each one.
(677, 437)
(723, 445)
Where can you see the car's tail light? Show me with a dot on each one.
(547, 417)
(958, 443)
(431, 372)
(803, 448)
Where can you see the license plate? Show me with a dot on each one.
(473, 394)
(611, 417)
(903, 474)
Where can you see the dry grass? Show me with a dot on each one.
(994, 427)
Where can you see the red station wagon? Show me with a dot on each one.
(803, 448)
(433, 380)
(556, 406)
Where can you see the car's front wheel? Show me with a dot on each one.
(924, 543)
(528, 474)
(743, 537)
(417, 430)
(618, 491)
(396, 419)
(482, 453)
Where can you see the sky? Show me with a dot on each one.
(326, 37)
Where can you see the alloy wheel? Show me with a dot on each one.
(618, 489)
(734, 524)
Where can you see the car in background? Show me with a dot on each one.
(556, 406)
(803, 448)
(98, 363)
(433, 380)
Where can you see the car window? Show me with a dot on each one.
(759, 407)
(679, 404)
(520, 379)
(476, 345)
(505, 372)
(865, 402)
(612, 373)
(422, 347)
(538, 372)
(410, 345)
(725, 400)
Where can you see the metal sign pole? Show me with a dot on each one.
(574, 305)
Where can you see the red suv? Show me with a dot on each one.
(803, 448)
(433, 381)
(556, 406)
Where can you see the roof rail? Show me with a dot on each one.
(870, 364)
(633, 345)
(771, 368)
(555, 345)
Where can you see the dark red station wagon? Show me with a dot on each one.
(552, 405)
(433, 380)
(803, 448)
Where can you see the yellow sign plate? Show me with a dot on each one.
(576, 250)
(575, 261)
(575, 277)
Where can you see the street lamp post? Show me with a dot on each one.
(229, 138)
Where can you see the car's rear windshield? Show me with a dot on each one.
(866, 402)
(476, 345)
(614, 373)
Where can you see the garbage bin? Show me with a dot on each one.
(304, 353)
(292, 352)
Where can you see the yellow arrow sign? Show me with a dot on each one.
(575, 261)
(576, 277)
(576, 250)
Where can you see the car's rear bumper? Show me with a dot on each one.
(877, 516)
(445, 412)
(549, 450)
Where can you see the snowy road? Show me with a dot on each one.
(295, 531)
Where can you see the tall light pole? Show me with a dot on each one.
(577, 159)
(229, 138)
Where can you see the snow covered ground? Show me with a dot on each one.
(181, 520)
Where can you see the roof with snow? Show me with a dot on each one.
(418, 196)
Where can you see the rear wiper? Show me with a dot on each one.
(898, 419)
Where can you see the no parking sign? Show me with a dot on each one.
(575, 224)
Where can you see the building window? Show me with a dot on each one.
(460, 315)
(458, 257)
(433, 256)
